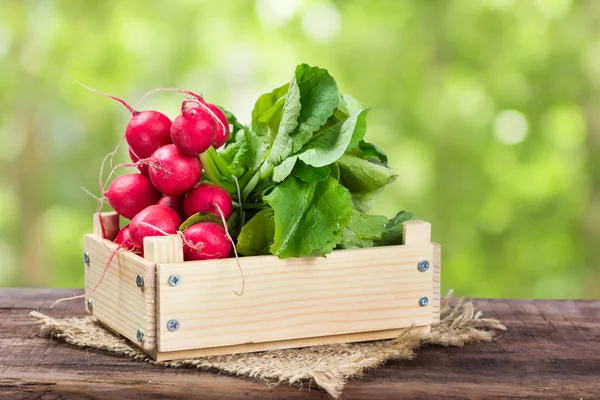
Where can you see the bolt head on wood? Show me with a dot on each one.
(89, 304)
(173, 325)
(139, 281)
(423, 301)
(86, 258)
(140, 335)
(174, 280)
(423, 265)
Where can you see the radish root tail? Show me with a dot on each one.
(237, 257)
(197, 96)
(92, 195)
(127, 106)
(197, 99)
(110, 156)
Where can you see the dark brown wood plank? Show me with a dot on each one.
(551, 350)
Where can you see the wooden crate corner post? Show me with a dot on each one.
(418, 232)
(161, 250)
(106, 225)
(124, 302)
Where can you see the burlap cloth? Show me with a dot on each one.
(328, 366)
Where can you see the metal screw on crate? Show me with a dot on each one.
(139, 281)
(140, 335)
(423, 301)
(86, 258)
(89, 304)
(173, 325)
(423, 265)
(174, 280)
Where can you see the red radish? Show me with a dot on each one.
(174, 202)
(193, 131)
(155, 220)
(205, 198)
(222, 133)
(143, 167)
(131, 193)
(172, 172)
(208, 241)
(147, 131)
(125, 241)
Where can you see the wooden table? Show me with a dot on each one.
(551, 350)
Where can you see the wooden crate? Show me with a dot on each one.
(350, 296)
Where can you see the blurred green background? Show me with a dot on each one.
(488, 109)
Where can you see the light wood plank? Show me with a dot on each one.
(283, 344)
(118, 302)
(350, 291)
(163, 249)
(416, 232)
(110, 222)
(437, 271)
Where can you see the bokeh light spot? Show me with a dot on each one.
(591, 60)
(554, 8)
(5, 42)
(321, 22)
(510, 127)
(277, 12)
(499, 4)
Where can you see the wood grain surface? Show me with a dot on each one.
(119, 302)
(352, 295)
(351, 291)
(551, 350)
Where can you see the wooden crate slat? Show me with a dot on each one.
(283, 344)
(437, 272)
(367, 290)
(118, 302)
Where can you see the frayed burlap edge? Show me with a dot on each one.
(328, 366)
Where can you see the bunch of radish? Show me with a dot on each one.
(168, 189)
